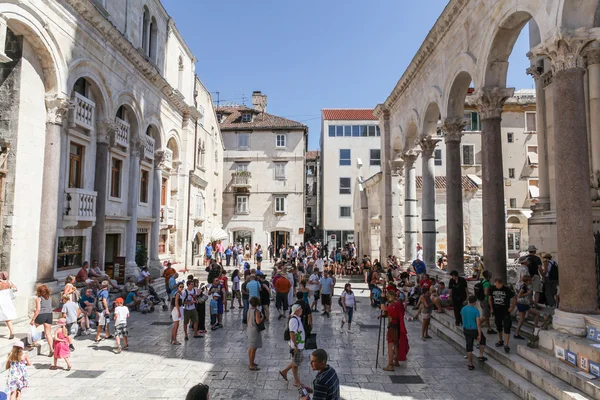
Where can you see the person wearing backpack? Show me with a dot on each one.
(102, 311)
(482, 292)
(297, 339)
(190, 314)
(550, 271)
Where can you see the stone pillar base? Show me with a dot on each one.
(131, 269)
(571, 323)
(155, 268)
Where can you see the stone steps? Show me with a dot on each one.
(521, 376)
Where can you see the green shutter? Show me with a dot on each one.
(475, 121)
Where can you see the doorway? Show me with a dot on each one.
(243, 237)
(280, 238)
(111, 251)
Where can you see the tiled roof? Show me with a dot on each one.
(233, 120)
(349, 114)
(440, 183)
(312, 154)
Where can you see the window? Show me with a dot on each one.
(339, 130)
(345, 186)
(220, 118)
(511, 173)
(153, 39)
(115, 177)
(534, 190)
(241, 167)
(514, 240)
(241, 205)
(280, 140)
(70, 252)
(180, 76)
(76, 166)
(280, 204)
(243, 141)
(314, 189)
(345, 212)
(345, 157)
(216, 157)
(377, 131)
(81, 87)
(437, 155)
(513, 202)
(144, 186)
(246, 117)
(371, 130)
(468, 154)
(145, 29)
(162, 244)
(530, 122)
(308, 213)
(375, 157)
(472, 119)
(163, 192)
(331, 130)
(280, 170)
(362, 130)
(198, 206)
(355, 131)
(532, 155)
(510, 137)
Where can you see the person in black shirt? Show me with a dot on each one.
(534, 265)
(500, 302)
(306, 314)
(459, 292)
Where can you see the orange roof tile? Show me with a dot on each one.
(349, 114)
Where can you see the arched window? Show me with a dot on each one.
(145, 30)
(153, 39)
(180, 76)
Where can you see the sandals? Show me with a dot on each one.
(482, 358)
(52, 368)
(187, 338)
(499, 344)
(389, 368)
(283, 376)
(471, 367)
(175, 342)
(68, 369)
(253, 368)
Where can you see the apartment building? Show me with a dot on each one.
(313, 196)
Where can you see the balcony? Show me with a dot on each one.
(168, 159)
(148, 147)
(80, 208)
(122, 133)
(242, 180)
(171, 217)
(82, 110)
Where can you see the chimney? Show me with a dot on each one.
(259, 101)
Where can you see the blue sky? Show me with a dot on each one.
(312, 54)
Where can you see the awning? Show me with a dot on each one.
(534, 192)
(532, 158)
(218, 234)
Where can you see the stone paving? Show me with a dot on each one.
(154, 369)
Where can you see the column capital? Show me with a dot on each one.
(428, 145)
(398, 165)
(159, 158)
(453, 129)
(56, 109)
(535, 71)
(410, 157)
(105, 131)
(489, 101)
(593, 56)
(137, 147)
(565, 51)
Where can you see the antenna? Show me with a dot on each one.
(243, 99)
(218, 97)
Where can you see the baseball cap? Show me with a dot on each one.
(295, 308)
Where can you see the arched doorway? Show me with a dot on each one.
(243, 237)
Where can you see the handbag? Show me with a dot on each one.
(261, 325)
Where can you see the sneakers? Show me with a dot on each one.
(118, 349)
(499, 344)
(506, 349)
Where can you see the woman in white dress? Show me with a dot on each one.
(7, 308)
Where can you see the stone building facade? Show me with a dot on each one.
(313, 196)
(104, 114)
(264, 176)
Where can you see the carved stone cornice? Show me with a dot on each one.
(428, 145)
(593, 56)
(159, 158)
(409, 158)
(56, 109)
(564, 50)
(535, 71)
(490, 101)
(453, 129)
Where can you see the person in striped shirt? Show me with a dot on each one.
(326, 385)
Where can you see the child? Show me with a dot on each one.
(61, 344)
(121, 315)
(16, 365)
(214, 307)
(426, 309)
(70, 311)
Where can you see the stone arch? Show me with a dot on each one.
(153, 131)
(174, 140)
(457, 95)
(575, 14)
(130, 103)
(430, 119)
(412, 135)
(514, 220)
(85, 69)
(154, 122)
(173, 145)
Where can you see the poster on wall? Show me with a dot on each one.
(571, 358)
(591, 333)
(559, 352)
(583, 362)
(594, 369)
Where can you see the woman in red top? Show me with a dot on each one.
(397, 335)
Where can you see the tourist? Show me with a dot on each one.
(208, 250)
(265, 296)
(282, 288)
(167, 274)
(220, 251)
(190, 314)
(420, 268)
(144, 278)
(326, 385)
(101, 306)
(17, 378)
(271, 250)
(201, 305)
(524, 268)
(240, 255)
(223, 282)
(297, 341)
(247, 253)
(441, 297)
(478, 268)
(426, 309)
(172, 286)
(245, 298)
(70, 289)
(472, 330)
(348, 302)
(524, 302)
(459, 293)
(534, 264)
(313, 286)
(485, 303)
(84, 277)
(550, 271)
(259, 256)
(397, 336)
(419, 252)
(132, 300)
(500, 303)
(291, 276)
(235, 288)
(214, 311)
(86, 304)
(121, 315)
(216, 287)
(42, 315)
(254, 318)
(198, 392)
(7, 308)
(177, 313)
(304, 291)
(61, 344)
(70, 312)
(327, 285)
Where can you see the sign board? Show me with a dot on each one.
(351, 237)
(332, 237)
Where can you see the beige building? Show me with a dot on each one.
(263, 175)
(313, 195)
(104, 118)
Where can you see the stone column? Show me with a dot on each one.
(397, 209)
(57, 108)
(155, 265)
(137, 151)
(489, 104)
(542, 140)
(103, 135)
(428, 219)
(387, 222)
(593, 70)
(573, 209)
(410, 216)
(453, 131)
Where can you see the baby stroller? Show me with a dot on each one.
(156, 299)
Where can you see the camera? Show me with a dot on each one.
(303, 392)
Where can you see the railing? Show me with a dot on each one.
(171, 216)
(80, 205)
(122, 133)
(241, 179)
(83, 111)
(168, 160)
(149, 147)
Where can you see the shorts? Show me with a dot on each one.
(121, 331)
(297, 357)
(471, 336)
(317, 294)
(236, 294)
(190, 315)
(536, 283)
(258, 259)
(426, 314)
(103, 318)
(326, 299)
(503, 320)
(523, 307)
(177, 317)
(44, 319)
(485, 308)
(72, 328)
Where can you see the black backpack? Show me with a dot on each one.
(286, 333)
(479, 291)
(98, 304)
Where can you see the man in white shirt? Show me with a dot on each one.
(419, 252)
(297, 341)
(313, 286)
(319, 264)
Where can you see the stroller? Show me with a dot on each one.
(156, 299)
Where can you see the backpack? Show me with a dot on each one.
(286, 333)
(479, 291)
(98, 304)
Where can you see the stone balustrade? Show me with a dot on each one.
(83, 111)
(80, 207)
(122, 133)
(149, 147)
(241, 179)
